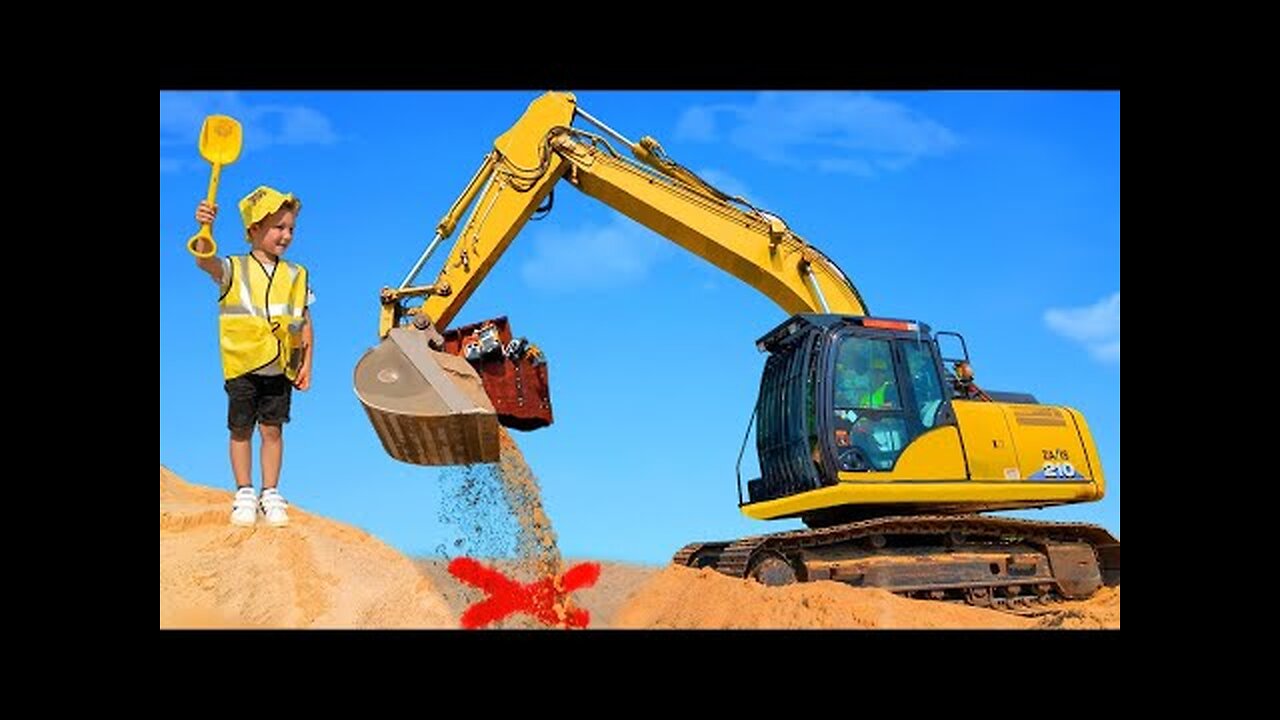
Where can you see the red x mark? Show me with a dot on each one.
(507, 596)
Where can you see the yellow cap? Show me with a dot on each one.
(262, 202)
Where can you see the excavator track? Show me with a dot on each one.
(1017, 566)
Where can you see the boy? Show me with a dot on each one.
(266, 339)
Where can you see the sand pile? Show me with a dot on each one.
(316, 573)
(1100, 611)
(680, 597)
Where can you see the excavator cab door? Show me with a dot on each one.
(884, 391)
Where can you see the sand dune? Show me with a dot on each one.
(316, 573)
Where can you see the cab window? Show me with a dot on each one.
(924, 381)
(870, 425)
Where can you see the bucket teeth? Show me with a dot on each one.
(427, 407)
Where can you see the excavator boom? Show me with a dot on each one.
(417, 416)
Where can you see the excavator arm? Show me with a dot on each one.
(543, 148)
(436, 395)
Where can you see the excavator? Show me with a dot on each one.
(888, 452)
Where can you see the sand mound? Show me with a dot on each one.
(316, 573)
(1100, 611)
(680, 597)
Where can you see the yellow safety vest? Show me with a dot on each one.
(261, 319)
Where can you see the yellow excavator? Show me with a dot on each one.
(885, 449)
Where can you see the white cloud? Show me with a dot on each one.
(594, 256)
(298, 125)
(264, 125)
(1106, 352)
(1096, 326)
(852, 166)
(697, 123)
(839, 132)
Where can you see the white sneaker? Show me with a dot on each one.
(273, 507)
(244, 508)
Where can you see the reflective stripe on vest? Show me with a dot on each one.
(260, 320)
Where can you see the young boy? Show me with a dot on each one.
(266, 339)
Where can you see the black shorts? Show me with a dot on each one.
(257, 399)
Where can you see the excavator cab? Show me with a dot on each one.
(869, 387)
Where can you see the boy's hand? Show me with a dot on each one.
(206, 212)
(303, 381)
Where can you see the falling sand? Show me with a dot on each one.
(498, 508)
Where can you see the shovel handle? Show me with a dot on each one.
(206, 233)
(206, 230)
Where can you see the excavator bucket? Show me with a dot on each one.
(444, 407)
(428, 407)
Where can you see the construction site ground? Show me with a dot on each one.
(321, 573)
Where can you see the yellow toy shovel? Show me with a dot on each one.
(220, 138)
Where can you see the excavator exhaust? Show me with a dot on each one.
(438, 399)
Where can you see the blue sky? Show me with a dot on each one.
(995, 214)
